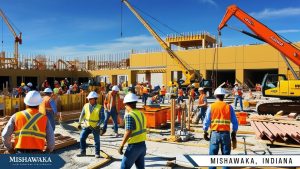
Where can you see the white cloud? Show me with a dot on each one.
(212, 2)
(288, 31)
(270, 13)
(120, 45)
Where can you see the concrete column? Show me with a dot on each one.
(203, 43)
(239, 75)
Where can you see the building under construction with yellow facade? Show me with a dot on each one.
(245, 63)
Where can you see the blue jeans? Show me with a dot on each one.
(236, 98)
(201, 114)
(113, 113)
(144, 98)
(134, 154)
(180, 98)
(50, 116)
(83, 136)
(218, 139)
(162, 99)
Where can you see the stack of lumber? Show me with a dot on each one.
(70, 115)
(276, 132)
(3, 122)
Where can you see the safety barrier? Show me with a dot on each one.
(67, 102)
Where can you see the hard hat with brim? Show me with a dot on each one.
(201, 88)
(220, 91)
(92, 95)
(33, 98)
(115, 88)
(48, 90)
(130, 97)
(236, 83)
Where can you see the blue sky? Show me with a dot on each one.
(92, 27)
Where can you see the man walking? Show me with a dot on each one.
(135, 135)
(111, 108)
(218, 118)
(202, 104)
(91, 115)
(48, 107)
(31, 128)
(238, 95)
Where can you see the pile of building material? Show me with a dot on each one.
(70, 115)
(277, 133)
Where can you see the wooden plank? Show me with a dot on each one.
(99, 164)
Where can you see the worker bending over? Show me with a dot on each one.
(218, 118)
(135, 135)
(91, 115)
(32, 129)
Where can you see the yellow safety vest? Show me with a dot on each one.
(140, 133)
(92, 118)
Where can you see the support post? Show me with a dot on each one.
(173, 117)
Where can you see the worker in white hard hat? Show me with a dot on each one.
(238, 95)
(135, 134)
(218, 118)
(111, 108)
(91, 116)
(48, 107)
(202, 105)
(28, 87)
(32, 129)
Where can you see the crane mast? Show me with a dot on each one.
(18, 38)
(189, 74)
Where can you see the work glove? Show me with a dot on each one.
(120, 150)
(206, 136)
(97, 128)
(233, 140)
(79, 126)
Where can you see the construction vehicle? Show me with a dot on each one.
(191, 76)
(273, 85)
(18, 40)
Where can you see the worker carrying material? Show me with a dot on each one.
(218, 118)
(135, 134)
(111, 108)
(32, 129)
(91, 115)
(48, 107)
(202, 105)
(238, 95)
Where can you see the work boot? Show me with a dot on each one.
(81, 154)
(97, 156)
(102, 132)
(116, 135)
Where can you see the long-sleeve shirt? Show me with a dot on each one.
(53, 106)
(233, 119)
(10, 128)
(91, 107)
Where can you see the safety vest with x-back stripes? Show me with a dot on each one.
(220, 116)
(140, 133)
(30, 130)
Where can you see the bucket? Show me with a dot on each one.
(242, 117)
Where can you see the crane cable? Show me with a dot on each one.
(214, 74)
(2, 40)
(121, 6)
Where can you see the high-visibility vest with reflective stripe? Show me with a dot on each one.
(145, 90)
(201, 98)
(140, 133)
(30, 130)
(92, 118)
(220, 116)
(180, 92)
(45, 105)
(108, 101)
(163, 91)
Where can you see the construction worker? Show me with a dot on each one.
(154, 98)
(238, 95)
(180, 95)
(162, 95)
(135, 134)
(218, 118)
(111, 108)
(32, 129)
(91, 115)
(202, 105)
(145, 92)
(48, 107)
(191, 96)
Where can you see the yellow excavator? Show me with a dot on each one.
(273, 85)
(191, 76)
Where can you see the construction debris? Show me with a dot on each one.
(276, 131)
